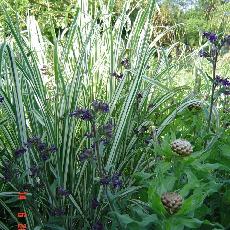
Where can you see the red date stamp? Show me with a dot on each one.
(22, 196)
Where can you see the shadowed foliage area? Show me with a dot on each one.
(114, 115)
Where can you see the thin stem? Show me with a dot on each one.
(97, 149)
(213, 90)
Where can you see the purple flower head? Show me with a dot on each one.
(222, 81)
(1, 99)
(212, 37)
(94, 203)
(116, 181)
(100, 106)
(86, 115)
(104, 107)
(62, 192)
(33, 141)
(20, 152)
(86, 154)
(42, 146)
(105, 180)
(203, 53)
(97, 226)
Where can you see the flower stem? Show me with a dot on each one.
(213, 90)
(97, 149)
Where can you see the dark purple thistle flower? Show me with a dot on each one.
(42, 147)
(100, 106)
(212, 37)
(94, 203)
(20, 152)
(105, 180)
(116, 182)
(222, 81)
(87, 153)
(86, 115)
(104, 107)
(1, 99)
(62, 192)
(34, 140)
(97, 226)
(34, 170)
(203, 53)
(57, 212)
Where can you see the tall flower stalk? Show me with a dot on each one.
(214, 65)
(212, 56)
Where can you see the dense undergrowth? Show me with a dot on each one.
(111, 132)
